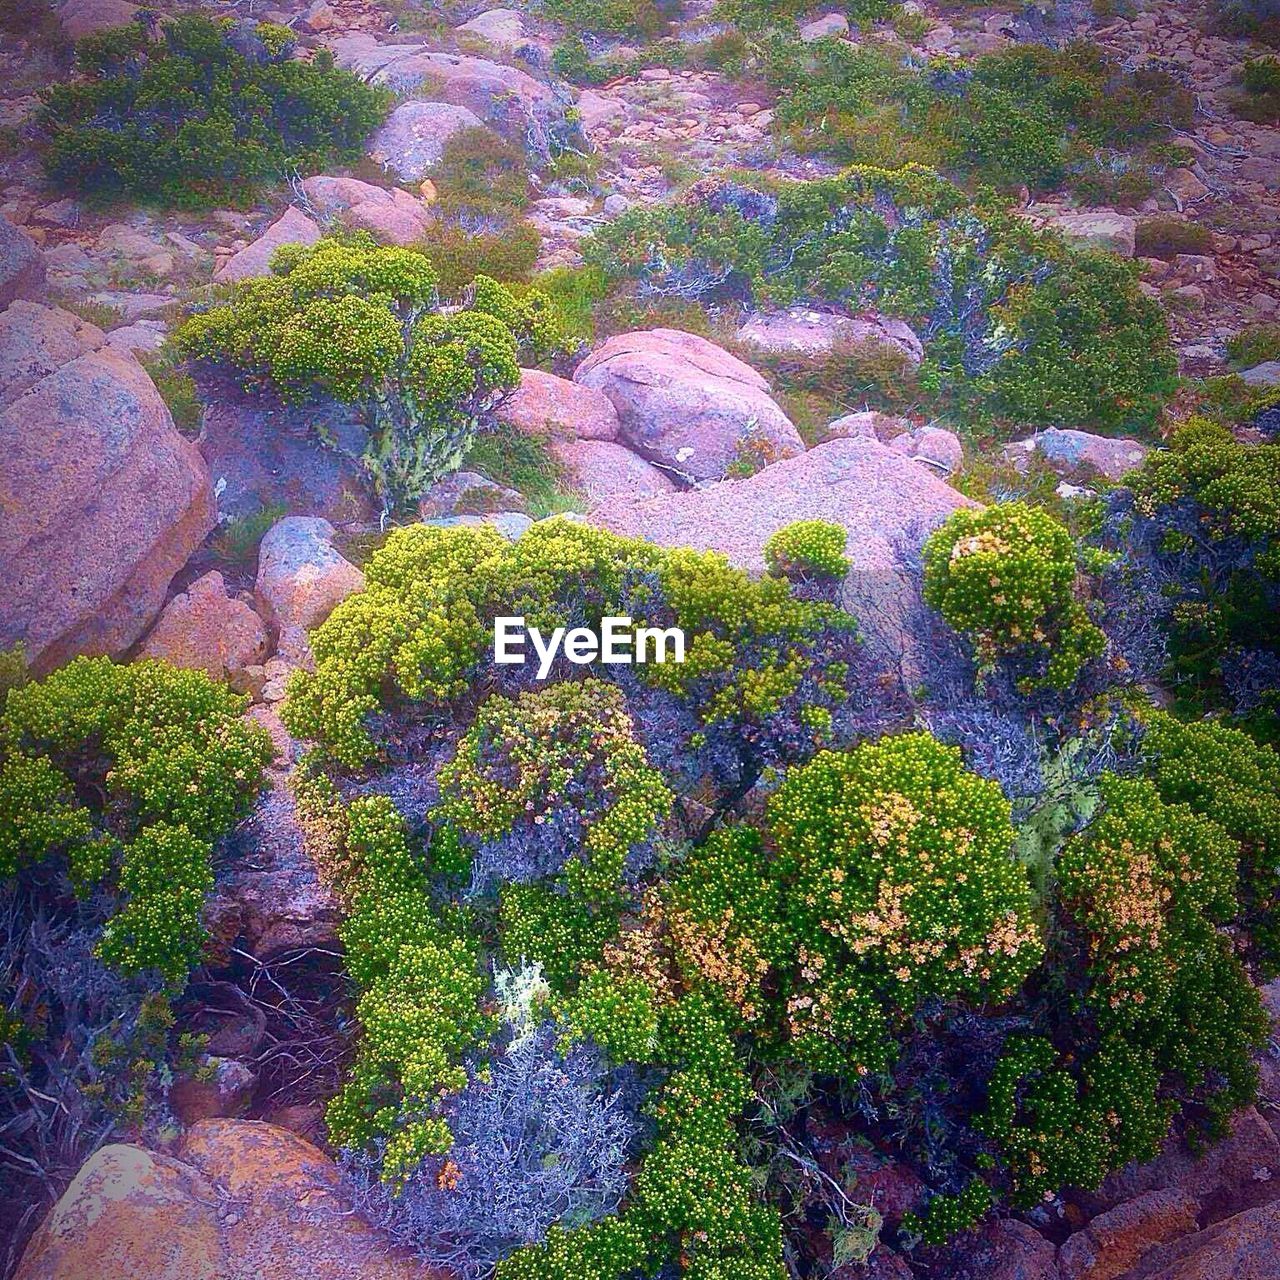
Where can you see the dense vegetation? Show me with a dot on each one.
(1015, 325)
(204, 112)
(361, 324)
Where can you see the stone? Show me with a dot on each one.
(1185, 187)
(687, 404)
(301, 577)
(123, 241)
(1243, 1247)
(601, 471)
(392, 215)
(84, 17)
(1069, 450)
(103, 505)
(413, 138)
(146, 337)
(504, 97)
(291, 227)
(868, 424)
(130, 1214)
(544, 405)
(1202, 267)
(934, 446)
(22, 269)
(1240, 1172)
(35, 341)
(830, 24)
(876, 495)
(242, 1200)
(803, 331)
(205, 629)
(596, 108)
(1116, 1241)
(1263, 375)
(1099, 229)
(219, 1087)
(1014, 1251)
(501, 28)
(1263, 170)
(467, 493)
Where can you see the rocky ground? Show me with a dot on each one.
(119, 551)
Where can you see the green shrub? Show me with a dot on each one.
(480, 173)
(356, 322)
(458, 257)
(646, 18)
(1166, 236)
(1006, 578)
(171, 766)
(1262, 77)
(1253, 345)
(807, 548)
(206, 114)
(901, 888)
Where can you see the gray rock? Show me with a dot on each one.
(414, 136)
(22, 269)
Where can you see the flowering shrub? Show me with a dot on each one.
(807, 548)
(1006, 578)
(1014, 323)
(175, 766)
(356, 322)
(202, 112)
(900, 888)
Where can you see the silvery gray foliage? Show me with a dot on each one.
(541, 1140)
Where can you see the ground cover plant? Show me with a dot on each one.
(622, 905)
(200, 112)
(115, 782)
(1015, 325)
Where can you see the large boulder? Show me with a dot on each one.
(206, 629)
(413, 138)
(878, 496)
(242, 1201)
(103, 502)
(22, 267)
(1099, 229)
(301, 579)
(291, 227)
(503, 29)
(84, 17)
(805, 332)
(602, 471)
(1116, 1241)
(390, 214)
(504, 97)
(1070, 451)
(544, 405)
(1244, 1247)
(687, 404)
(130, 1214)
(35, 341)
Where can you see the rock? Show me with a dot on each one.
(467, 493)
(596, 108)
(505, 98)
(869, 424)
(601, 471)
(205, 629)
(687, 404)
(301, 578)
(803, 331)
(1014, 1251)
(1201, 267)
(35, 341)
(1244, 1247)
(392, 215)
(1185, 187)
(413, 138)
(1116, 1241)
(1240, 1172)
(875, 494)
(1067, 451)
(219, 1087)
(84, 17)
(291, 1214)
(130, 1214)
(1262, 170)
(831, 24)
(22, 269)
(544, 405)
(615, 204)
(320, 17)
(268, 897)
(244, 1201)
(1263, 375)
(1099, 229)
(103, 504)
(501, 28)
(933, 446)
(291, 227)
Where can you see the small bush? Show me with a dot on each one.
(481, 175)
(1255, 345)
(807, 548)
(457, 257)
(208, 113)
(1166, 236)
